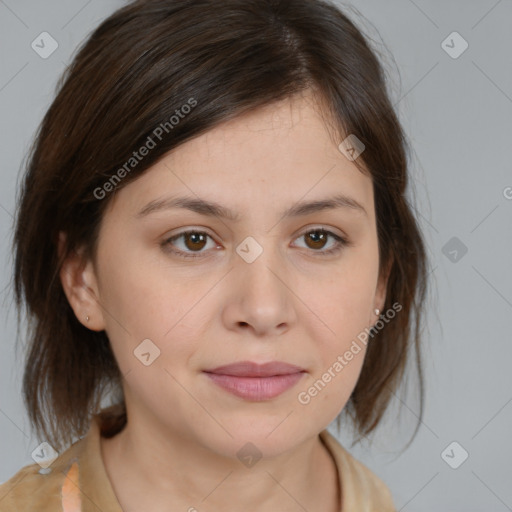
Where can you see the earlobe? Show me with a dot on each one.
(79, 283)
(381, 292)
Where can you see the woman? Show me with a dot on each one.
(213, 226)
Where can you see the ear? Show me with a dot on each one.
(79, 283)
(380, 292)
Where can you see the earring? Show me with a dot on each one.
(87, 317)
(377, 311)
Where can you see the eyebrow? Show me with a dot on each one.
(213, 209)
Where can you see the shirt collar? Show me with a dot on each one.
(94, 482)
(361, 489)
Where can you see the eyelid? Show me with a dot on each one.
(321, 227)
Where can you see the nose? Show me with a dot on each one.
(260, 298)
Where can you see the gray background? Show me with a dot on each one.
(457, 113)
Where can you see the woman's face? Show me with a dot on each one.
(256, 288)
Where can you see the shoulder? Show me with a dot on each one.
(32, 490)
(29, 490)
(362, 489)
(75, 480)
(373, 486)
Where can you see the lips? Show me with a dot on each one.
(251, 369)
(256, 382)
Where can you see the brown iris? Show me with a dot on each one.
(318, 239)
(198, 240)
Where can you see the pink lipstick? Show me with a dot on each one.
(257, 382)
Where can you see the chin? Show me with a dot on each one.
(267, 436)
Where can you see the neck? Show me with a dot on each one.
(143, 461)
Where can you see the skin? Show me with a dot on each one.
(291, 304)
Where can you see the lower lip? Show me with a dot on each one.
(256, 388)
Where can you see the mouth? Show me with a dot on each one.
(256, 382)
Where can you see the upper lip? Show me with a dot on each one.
(251, 369)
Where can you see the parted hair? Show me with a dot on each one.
(125, 85)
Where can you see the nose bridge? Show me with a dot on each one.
(262, 295)
(260, 261)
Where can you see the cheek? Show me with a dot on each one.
(340, 360)
(339, 333)
(339, 308)
(144, 301)
(326, 392)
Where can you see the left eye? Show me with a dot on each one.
(319, 236)
(195, 241)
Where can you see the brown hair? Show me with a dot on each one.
(129, 77)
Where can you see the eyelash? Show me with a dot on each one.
(341, 242)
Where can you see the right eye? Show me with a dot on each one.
(194, 241)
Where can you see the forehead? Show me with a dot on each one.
(266, 159)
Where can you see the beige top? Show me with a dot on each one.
(78, 482)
